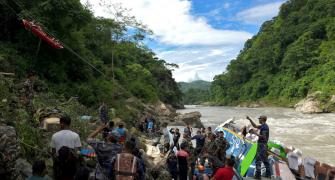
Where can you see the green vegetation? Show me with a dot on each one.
(125, 68)
(291, 56)
(195, 92)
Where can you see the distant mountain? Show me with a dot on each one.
(199, 84)
(195, 92)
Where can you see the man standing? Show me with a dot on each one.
(65, 144)
(263, 138)
(166, 136)
(127, 166)
(209, 131)
(188, 130)
(103, 113)
(200, 142)
(221, 145)
(28, 93)
(65, 137)
(176, 136)
(105, 150)
(183, 161)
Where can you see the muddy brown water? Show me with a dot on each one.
(314, 134)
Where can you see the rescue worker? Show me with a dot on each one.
(209, 131)
(105, 150)
(263, 138)
(221, 145)
(28, 93)
(103, 113)
(210, 144)
(127, 166)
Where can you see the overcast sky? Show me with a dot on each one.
(201, 36)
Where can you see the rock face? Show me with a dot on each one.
(310, 104)
(160, 112)
(10, 153)
(192, 118)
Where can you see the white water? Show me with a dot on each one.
(314, 134)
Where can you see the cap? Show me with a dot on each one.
(262, 117)
(220, 132)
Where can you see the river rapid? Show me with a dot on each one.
(314, 134)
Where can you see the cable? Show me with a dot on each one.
(81, 58)
(65, 45)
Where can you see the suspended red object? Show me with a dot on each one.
(38, 31)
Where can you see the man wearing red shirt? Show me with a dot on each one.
(226, 173)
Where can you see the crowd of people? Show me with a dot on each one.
(118, 155)
(206, 160)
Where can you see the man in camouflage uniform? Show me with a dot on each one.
(221, 145)
(103, 113)
(210, 144)
(10, 152)
(27, 93)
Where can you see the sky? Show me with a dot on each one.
(201, 36)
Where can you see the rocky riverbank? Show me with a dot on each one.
(25, 142)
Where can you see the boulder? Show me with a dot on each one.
(192, 118)
(310, 104)
(24, 167)
(10, 152)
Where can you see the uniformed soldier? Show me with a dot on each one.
(28, 93)
(221, 145)
(210, 144)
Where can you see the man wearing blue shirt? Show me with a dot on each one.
(263, 138)
(200, 142)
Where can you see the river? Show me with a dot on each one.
(314, 134)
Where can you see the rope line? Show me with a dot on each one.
(27, 13)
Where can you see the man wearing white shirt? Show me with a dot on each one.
(65, 137)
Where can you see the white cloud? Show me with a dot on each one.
(257, 15)
(173, 23)
(204, 61)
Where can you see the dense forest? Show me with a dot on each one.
(291, 56)
(102, 60)
(195, 92)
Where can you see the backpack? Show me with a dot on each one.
(125, 167)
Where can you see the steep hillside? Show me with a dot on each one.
(291, 56)
(113, 65)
